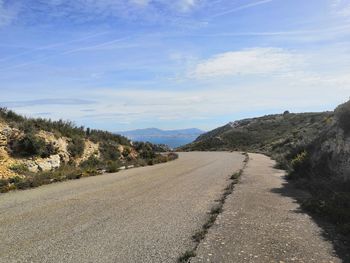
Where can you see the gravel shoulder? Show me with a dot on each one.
(140, 215)
(261, 224)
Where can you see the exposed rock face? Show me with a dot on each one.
(3, 140)
(90, 149)
(48, 164)
(43, 164)
(5, 160)
(132, 153)
(5, 163)
(31, 165)
(60, 143)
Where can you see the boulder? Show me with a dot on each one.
(48, 164)
(32, 166)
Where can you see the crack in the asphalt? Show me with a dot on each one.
(213, 214)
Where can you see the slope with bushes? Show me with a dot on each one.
(314, 148)
(271, 134)
(39, 151)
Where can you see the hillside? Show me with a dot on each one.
(171, 138)
(314, 148)
(40, 151)
(271, 134)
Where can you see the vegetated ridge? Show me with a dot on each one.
(313, 147)
(40, 151)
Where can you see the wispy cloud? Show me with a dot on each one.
(65, 52)
(40, 102)
(53, 45)
(239, 8)
(255, 61)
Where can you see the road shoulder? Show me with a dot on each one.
(260, 224)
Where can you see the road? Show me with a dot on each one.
(261, 222)
(139, 215)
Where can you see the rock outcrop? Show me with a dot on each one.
(60, 143)
(90, 149)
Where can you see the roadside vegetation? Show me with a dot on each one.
(314, 149)
(114, 152)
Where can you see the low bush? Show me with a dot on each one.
(4, 185)
(113, 167)
(300, 163)
(19, 168)
(92, 162)
(76, 147)
(109, 151)
(342, 113)
(28, 146)
(49, 150)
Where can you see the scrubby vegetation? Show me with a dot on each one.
(60, 128)
(342, 113)
(76, 146)
(312, 147)
(31, 145)
(30, 180)
(269, 134)
(112, 151)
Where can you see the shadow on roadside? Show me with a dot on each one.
(341, 244)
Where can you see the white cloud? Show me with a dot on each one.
(255, 61)
(298, 92)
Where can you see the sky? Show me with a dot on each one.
(127, 64)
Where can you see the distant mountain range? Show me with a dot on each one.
(172, 138)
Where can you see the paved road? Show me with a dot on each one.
(262, 223)
(139, 215)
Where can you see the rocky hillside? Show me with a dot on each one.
(33, 149)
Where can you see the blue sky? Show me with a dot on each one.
(125, 64)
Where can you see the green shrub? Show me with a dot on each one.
(104, 136)
(49, 149)
(28, 146)
(4, 185)
(90, 171)
(112, 167)
(93, 161)
(76, 146)
(109, 151)
(19, 168)
(342, 113)
(23, 184)
(300, 165)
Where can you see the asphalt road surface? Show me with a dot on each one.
(140, 215)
